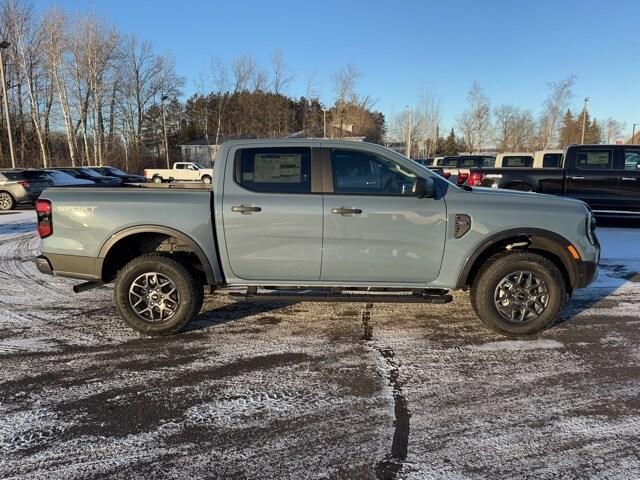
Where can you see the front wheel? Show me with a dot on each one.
(206, 179)
(519, 293)
(156, 295)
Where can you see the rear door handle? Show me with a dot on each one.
(629, 179)
(245, 209)
(576, 178)
(346, 211)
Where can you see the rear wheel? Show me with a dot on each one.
(156, 295)
(519, 293)
(6, 201)
(157, 179)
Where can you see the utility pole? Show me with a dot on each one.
(164, 130)
(206, 134)
(408, 152)
(324, 122)
(633, 135)
(584, 119)
(5, 98)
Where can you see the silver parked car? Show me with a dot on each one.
(21, 186)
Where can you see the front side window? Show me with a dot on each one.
(365, 173)
(274, 170)
(551, 160)
(594, 159)
(632, 160)
(517, 161)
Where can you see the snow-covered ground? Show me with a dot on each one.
(315, 390)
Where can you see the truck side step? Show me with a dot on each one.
(252, 295)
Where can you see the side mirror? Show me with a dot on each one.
(423, 187)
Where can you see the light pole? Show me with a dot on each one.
(584, 118)
(324, 123)
(164, 130)
(408, 153)
(633, 135)
(4, 45)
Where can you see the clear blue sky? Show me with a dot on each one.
(513, 48)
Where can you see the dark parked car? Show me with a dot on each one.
(606, 177)
(88, 174)
(116, 172)
(21, 186)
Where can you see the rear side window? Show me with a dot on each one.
(488, 162)
(11, 176)
(274, 170)
(517, 161)
(34, 175)
(449, 162)
(551, 160)
(594, 159)
(467, 162)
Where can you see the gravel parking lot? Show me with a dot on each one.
(310, 390)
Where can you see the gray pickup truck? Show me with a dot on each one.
(320, 220)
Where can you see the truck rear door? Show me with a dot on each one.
(591, 177)
(272, 214)
(629, 178)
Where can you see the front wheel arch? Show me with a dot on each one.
(545, 243)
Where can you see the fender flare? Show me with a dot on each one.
(539, 238)
(212, 272)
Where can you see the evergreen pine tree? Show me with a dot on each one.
(451, 144)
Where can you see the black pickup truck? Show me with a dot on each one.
(606, 177)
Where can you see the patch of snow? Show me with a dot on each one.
(519, 345)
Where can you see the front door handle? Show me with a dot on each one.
(346, 211)
(576, 178)
(245, 209)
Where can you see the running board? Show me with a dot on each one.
(327, 296)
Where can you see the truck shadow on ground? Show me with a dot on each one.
(233, 312)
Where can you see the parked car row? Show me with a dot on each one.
(24, 186)
(606, 177)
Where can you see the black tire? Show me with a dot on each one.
(485, 289)
(157, 179)
(189, 290)
(7, 202)
(206, 179)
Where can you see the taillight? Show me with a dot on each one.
(476, 178)
(24, 183)
(45, 225)
(145, 172)
(462, 177)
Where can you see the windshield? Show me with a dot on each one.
(199, 165)
(115, 171)
(422, 168)
(90, 172)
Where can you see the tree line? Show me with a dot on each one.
(80, 92)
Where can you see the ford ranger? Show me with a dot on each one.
(319, 220)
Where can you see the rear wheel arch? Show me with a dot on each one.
(133, 242)
(543, 242)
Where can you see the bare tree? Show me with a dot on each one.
(553, 109)
(613, 129)
(479, 113)
(243, 69)
(514, 128)
(281, 76)
(344, 87)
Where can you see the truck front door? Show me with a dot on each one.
(590, 177)
(629, 179)
(272, 214)
(375, 229)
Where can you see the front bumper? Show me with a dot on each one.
(586, 273)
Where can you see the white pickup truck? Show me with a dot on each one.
(181, 171)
